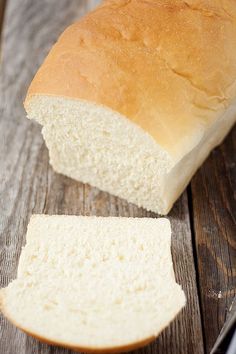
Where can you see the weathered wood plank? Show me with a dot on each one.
(213, 191)
(29, 185)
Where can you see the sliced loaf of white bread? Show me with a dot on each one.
(93, 283)
(133, 97)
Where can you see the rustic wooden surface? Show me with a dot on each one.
(203, 244)
(213, 206)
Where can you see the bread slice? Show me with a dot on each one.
(133, 97)
(94, 283)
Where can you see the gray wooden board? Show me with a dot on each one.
(213, 191)
(28, 184)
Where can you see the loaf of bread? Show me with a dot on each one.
(134, 96)
(94, 284)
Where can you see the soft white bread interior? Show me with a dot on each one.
(133, 97)
(95, 284)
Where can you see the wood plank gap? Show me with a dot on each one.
(194, 246)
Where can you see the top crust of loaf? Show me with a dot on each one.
(169, 66)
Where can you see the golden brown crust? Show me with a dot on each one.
(120, 349)
(169, 65)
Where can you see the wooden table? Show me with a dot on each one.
(204, 243)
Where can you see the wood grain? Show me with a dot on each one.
(213, 191)
(2, 9)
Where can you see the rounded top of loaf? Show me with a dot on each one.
(168, 66)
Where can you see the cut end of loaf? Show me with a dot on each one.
(95, 145)
(96, 284)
